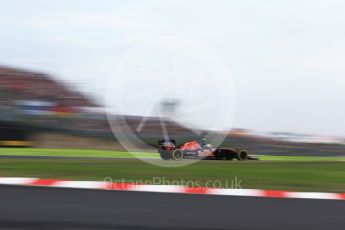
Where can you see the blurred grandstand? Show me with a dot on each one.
(36, 110)
(34, 104)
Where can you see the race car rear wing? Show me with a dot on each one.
(170, 141)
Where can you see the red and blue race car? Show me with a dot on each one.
(199, 150)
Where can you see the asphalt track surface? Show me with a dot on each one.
(55, 208)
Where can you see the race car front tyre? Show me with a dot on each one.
(242, 155)
(177, 155)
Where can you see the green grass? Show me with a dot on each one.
(300, 158)
(123, 154)
(72, 153)
(290, 175)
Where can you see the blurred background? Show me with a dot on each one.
(286, 61)
(38, 110)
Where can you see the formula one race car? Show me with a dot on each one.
(200, 150)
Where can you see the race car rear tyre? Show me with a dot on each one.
(242, 155)
(177, 155)
(165, 155)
